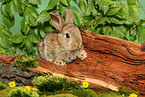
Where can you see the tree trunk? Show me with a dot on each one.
(111, 63)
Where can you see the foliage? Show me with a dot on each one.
(3, 86)
(22, 93)
(110, 95)
(25, 63)
(107, 17)
(84, 93)
(127, 91)
(62, 95)
(52, 83)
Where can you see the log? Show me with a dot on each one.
(111, 62)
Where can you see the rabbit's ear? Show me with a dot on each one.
(69, 16)
(57, 21)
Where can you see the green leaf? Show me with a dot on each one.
(131, 2)
(74, 9)
(18, 5)
(4, 9)
(43, 16)
(113, 11)
(124, 10)
(11, 9)
(65, 2)
(61, 8)
(52, 4)
(23, 1)
(134, 12)
(31, 16)
(104, 6)
(97, 1)
(33, 37)
(95, 13)
(5, 31)
(116, 21)
(76, 19)
(82, 4)
(42, 32)
(28, 45)
(4, 42)
(107, 30)
(89, 8)
(24, 26)
(35, 1)
(8, 22)
(141, 34)
(117, 33)
(17, 38)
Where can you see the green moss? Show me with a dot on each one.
(110, 95)
(22, 93)
(3, 86)
(127, 91)
(5, 92)
(62, 95)
(25, 63)
(52, 83)
(84, 93)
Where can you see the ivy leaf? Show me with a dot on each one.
(42, 32)
(28, 45)
(134, 12)
(52, 4)
(95, 13)
(24, 26)
(89, 9)
(104, 6)
(141, 34)
(4, 9)
(4, 40)
(76, 19)
(11, 9)
(113, 11)
(33, 37)
(124, 10)
(116, 21)
(97, 1)
(43, 16)
(17, 38)
(65, 2)
(8, 22)
(82, 4)
(74, 9)
(31, 16)
(18, 5)
(5, 31)
(61, 8)
(35, 1)
(116, 33)
(131, 2)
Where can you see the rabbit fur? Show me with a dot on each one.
(63, 45)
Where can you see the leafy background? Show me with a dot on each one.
(25, 22)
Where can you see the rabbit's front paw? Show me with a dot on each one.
(82, 55)
(59, 62)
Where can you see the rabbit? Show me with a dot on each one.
(64, 45)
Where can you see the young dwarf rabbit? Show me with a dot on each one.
(63, 45)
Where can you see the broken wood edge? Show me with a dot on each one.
(90, 80)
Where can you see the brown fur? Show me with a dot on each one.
(56, 47)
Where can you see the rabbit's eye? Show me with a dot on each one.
(67, 35)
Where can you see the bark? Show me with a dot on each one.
(111, 63)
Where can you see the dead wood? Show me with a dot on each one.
(111, 63)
